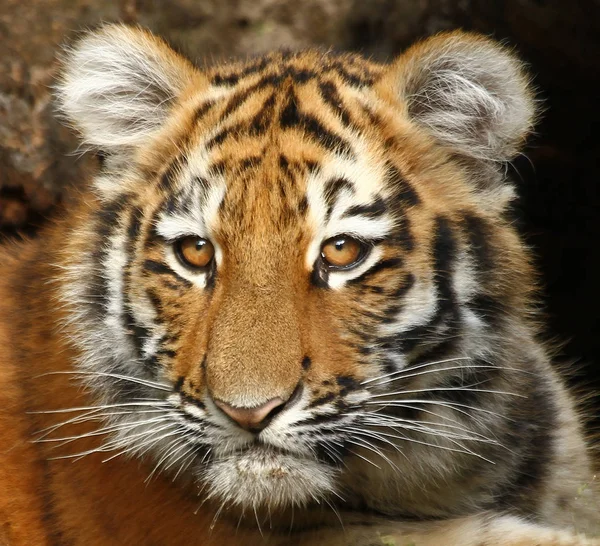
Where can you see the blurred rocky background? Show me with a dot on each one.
(558, 177)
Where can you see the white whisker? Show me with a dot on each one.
(466, 388)
(412, 368)
(145, 382)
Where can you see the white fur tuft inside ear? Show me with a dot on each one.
(118, 84)
(469, 92)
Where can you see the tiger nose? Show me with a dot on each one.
(252, 419)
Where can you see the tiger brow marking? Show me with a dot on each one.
(373, 210)
(332, 191)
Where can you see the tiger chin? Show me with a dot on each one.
(290, 308)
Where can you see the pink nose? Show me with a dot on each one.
(255, 418)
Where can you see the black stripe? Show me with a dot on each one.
(402, 235)
(136, 332)
(156, 303)
(347, 383)
(284, 162)
(303, 205)
(223, 134)
(407, 283)
(202, 110)
(363, 335)
(441, 351)
(328, 397)
(374, 119)
(390, 263)
(236, 101)
(403, 193)
(291, 118)
(381, 319)
(387, 365)
(312, 166)
(162, 269)
(329, 140)
(283, 192)
(249, 163)
(152, 364)
(320, 419)
(179, 384)
(133, 230)
(167, 179)
(373, 210)
(488, 307)
(330, 96)
(332, 190)
(301, 76)
(264, 117)
(478, 234)
(234, 77)
(444, 251)
(356, 79)
(447, 314)
(306, 363)
(107, 220)
(217, 168)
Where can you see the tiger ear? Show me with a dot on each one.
(468, 92)
(118, 84)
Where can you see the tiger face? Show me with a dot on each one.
(294, 263)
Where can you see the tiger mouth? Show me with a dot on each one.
(265, 475)
(263, 451)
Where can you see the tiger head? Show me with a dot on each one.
(288, 266)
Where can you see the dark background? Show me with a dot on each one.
(557, 177)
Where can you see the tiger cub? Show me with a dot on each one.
(291, 308)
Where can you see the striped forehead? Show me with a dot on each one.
(342, 196)
(244, 131)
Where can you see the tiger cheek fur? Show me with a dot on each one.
(294, 284)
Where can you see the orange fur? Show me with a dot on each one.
(266, 328)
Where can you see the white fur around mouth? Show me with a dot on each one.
(261, 475)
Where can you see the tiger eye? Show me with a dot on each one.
(195, 251)
(342, 251)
